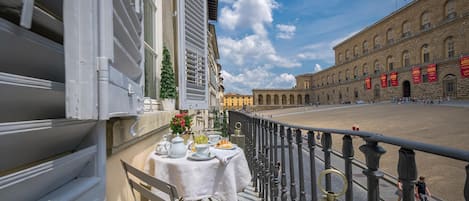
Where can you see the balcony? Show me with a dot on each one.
(291, 171)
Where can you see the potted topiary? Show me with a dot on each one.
(168, 84)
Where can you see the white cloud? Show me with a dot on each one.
(285, 31)
(255, 49)
(317, 68)
(257, 78)
(248, 13)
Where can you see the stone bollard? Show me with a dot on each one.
(238, 138)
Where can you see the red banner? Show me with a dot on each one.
(416, 75)
(368, 83)
(394, 81)
(464, 65)
(384, 81)
(431, 73)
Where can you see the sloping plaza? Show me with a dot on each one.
(438, 124)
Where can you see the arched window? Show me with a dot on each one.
(376, 42)
(376, 65)
(341, 57)
(307, 101)
(406, 29)
(347, 74)
(333, 79)
(260, 100)
(390, 36)
(340, 76)
(355, 51)
(268, 101)
(405, 58)
(347, 54)
(389, 63)
(284, 100)
(355, 72)
(450, 11)
(365, 69)
(425, 21)
(425, 54)
(365, 47)
(292, 99)
(328, 79)
(323, 81)
(449, 47)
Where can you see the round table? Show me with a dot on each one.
(195, 180)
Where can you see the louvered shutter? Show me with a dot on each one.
(192, 55)
(103, 59)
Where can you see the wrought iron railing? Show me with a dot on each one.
(268, 167)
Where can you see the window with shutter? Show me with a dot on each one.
(192, 58)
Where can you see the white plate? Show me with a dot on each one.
(197, 157)
(232, 148)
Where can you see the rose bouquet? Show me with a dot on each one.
(180, 123)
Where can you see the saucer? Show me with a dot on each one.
(197, 157)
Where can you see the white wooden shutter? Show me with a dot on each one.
(192, 55)
(103, 58)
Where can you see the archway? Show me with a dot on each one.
(406, 88)
(276, 101)
(268, 101)
(307, 99)
(292, 100)
(260, 100)
(300, 100)
(377, 91)
(284, 100)
(449, 85)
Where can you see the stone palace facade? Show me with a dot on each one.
(419, 51)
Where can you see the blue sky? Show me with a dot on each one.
(266, 43)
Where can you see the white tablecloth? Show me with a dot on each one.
(196, 180)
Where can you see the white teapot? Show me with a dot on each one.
(178, 148)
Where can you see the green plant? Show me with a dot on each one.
(168, 82)
(224, 125)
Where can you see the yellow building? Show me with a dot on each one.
(234, 101)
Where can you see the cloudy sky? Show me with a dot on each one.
(265, 43)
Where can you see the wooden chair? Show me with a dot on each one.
(162, 186)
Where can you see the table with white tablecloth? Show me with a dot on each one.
(195, 180)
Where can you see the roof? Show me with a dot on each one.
(212, 9)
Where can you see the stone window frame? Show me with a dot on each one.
(347, 54)
(450, 9)
(405, 58)
(376, 67)
(365, 47)
(425, 54)
(355, 51)
(449, 47)
(355, 72)
(389, 63)
(390, 36)
(406, 29)
(376, 42)
(365, 69)
(425, 22)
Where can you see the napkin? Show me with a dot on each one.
(225, 156)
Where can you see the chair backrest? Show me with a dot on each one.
(149, 180)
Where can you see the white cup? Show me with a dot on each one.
(202, 149)
(214, 138)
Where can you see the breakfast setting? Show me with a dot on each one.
(201, 164)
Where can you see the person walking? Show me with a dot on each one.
(421, 190)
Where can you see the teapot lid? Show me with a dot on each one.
(177, 139)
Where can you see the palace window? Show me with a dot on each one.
(425, 21)
(449, 43)
(355, 51)
(406, 29)
(450, 11)
(425, 54)
(365, 47)
(377, 42)
(365, 69)
(389, 36)
(389, 63)
(376, 65)
(405, 58)
(347, 54)
(355, 72)
(347, 74)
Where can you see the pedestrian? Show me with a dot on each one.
(399, 190)
(421, 190)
